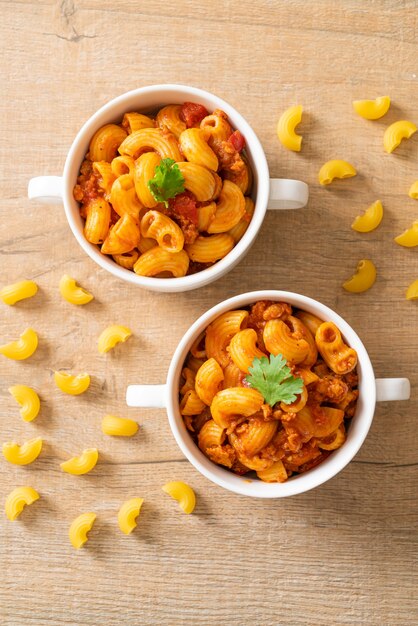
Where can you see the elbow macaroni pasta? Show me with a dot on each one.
(336, 168)
(183, 493)
(18, 291)
(370, 219)
(24, 454)
(286, 128)
(413, 190)
(79, 529)
(82, 464)
(18, 499)
(207, 212)
(363, 279)
(412, 291)
(73, 293)
(111, 336)
(409, 238)
(372, 109)
(28, 400)
(234, 426)
(119, 426)
(23, 348)
(72, 384)
(396, 132)
(128, 514)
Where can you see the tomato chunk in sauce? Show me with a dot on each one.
(237, 140)
(192, 114)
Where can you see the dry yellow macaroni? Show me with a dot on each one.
(128, 513)
(71, 383)
(23, 348)
(372, 109)
(112, 335)
(28, 400)
(363, 279)
(370, 219)
(79, 529)
(182, 493)
(71, 292)
(24, 454)
(412, 291)
(413, 191)
(286, 128)
(409, 238)
(18, 291)
(336, 168)
(119, 426)
(396, 132)
(18, 499)
(82, 464)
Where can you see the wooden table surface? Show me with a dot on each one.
(345, 553)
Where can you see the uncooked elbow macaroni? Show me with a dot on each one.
(119, 426)
(372, 109)
(73, 384)
(18, 291)
(73, 293)
(28, 400)
(412, 291)
(396, 132)
(22, 348)
(82, 464)
(111, 336)
(286, 128)
(231, 422)
(18, 499)
(409, 238)
(370, 219)
(203, 218)
(413, 190)
(183, 493)
(128, 513)
(24, 454)
(336, 168)
(364, 277)
(79, 529)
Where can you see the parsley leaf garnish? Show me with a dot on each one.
(168, 181)
(273, 379)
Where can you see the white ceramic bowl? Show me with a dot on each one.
(370, 391)
(277, 193)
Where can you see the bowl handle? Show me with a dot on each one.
(392, 389)
(47, 189)
(287, 194)
(151, 396)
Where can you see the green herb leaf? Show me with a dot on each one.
(273, 379)
(167, 183)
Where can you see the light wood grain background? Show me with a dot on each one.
(345, 553)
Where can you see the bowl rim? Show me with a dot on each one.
(261, 175)
(329, 468)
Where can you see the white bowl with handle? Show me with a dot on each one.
(371, 389)
(267, 193)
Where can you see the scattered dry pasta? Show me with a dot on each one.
(286, 128)
(18, 499)
(413, 190)
(412, 291)
(372, 109)
(112, 335)
(23, 348)
(336, 168)
(119, 426)
(82, 464)
(128, 514)
(409, 238)
(363, 279)
(370, 219)
(24, 454)
(175, 178)
(249, 419)
(183, 493)
(18, 291)
(73, 384)
(396, 132)
(72, 292)
(79, 529)
(28, 400)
